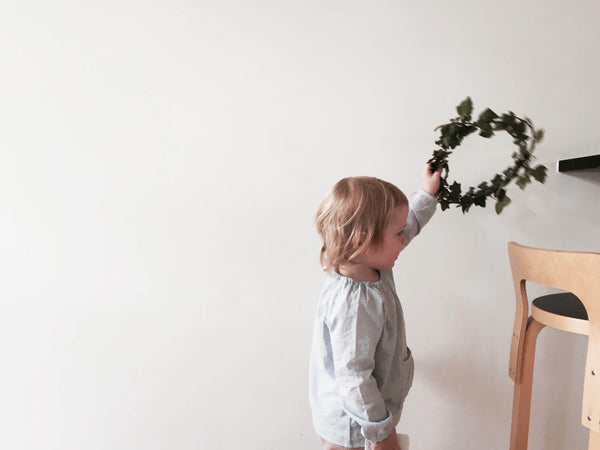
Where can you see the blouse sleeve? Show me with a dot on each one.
(421, 207)
(355, 330)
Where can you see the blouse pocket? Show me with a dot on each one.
(408, 370)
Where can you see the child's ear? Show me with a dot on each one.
(359, 239)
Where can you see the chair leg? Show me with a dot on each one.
(594, 441)
(519, 431)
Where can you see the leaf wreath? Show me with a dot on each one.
(525, 137)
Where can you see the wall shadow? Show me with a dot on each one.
(591, 176)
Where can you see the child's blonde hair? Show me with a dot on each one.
(352, 216)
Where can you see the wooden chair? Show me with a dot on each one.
(576, 311)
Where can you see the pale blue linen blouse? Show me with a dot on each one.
(360, 366)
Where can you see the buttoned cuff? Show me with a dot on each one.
(378, 431)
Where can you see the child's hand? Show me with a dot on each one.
(431, 181)
(389, 443)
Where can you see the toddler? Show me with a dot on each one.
(360, 366)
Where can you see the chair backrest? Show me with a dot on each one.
(576, 272)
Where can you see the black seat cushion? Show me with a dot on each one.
(563, 304)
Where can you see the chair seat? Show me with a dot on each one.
(563, 311)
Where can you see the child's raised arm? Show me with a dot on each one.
(422, 204)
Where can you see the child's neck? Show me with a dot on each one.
(359, 272)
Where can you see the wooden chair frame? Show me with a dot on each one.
(578, 273)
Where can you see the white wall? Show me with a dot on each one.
(161, 163)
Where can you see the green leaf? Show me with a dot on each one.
(539, 173)
(501, 204)
(487, 116)
(519, 128)
(455, 191)
(508, 173)
(479, 201)
(498, 125)
(523, 181)
(486, 132)
(449, 136)
(497, 181)
(465, 131)
(465, 109)
(508, 119)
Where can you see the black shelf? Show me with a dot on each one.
(583, 163)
